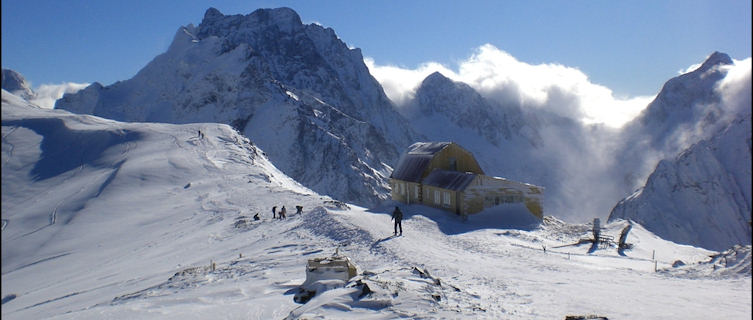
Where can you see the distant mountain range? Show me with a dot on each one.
(306, 99)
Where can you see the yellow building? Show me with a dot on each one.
(446, 176)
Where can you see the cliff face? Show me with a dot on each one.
(703, 196)
(296, 90)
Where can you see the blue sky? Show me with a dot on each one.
(631, 47)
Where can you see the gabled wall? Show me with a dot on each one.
(465, 162)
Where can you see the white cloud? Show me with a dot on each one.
(691, 68)
(47, 94)
(498, 75)
(735, 88)
(400, 84)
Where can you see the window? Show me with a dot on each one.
(453, 165)
(446, 199)
(415, 191)
(436, 197)
(402, 188)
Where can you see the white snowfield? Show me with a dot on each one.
(110, 220)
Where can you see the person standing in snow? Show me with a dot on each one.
(274, 212)
(397, 215)
(282, 213)
(298, 209)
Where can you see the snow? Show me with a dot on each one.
(266, 74)
(127, 221)
(702, 197)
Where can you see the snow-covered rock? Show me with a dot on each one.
(703, 196)
(689, 99)
(688, 108)
(297, 90)
(466, 108)
(15, 83)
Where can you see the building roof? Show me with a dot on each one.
(411, 167)
(451, 180)
(427, 148)
(413, 163)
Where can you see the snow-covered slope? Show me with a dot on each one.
(103, 219)
(702, 197)
(297, 90)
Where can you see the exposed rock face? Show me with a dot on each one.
(296, 90)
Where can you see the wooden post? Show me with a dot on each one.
(654, 265)
(653, 254)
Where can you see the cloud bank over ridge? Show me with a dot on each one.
(498, 75)
(46, 95)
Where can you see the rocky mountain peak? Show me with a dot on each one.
(212, 14)
(715, 59)
(283, 19)
(436, 78)
(436, 85)
(15, 83)
(687, 99)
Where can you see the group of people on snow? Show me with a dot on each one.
(282, 214)
(397, 216)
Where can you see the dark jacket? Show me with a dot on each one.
(397, 215)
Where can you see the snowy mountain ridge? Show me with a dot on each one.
(295, 89)
(703, 196)
(155, 221)
(311, 104)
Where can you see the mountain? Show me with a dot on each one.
(15, 83)
(106, 219)
(297, 90)
(688, 109)
(703, 196)
(528, 145)
(464, 107)
(688, 99)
